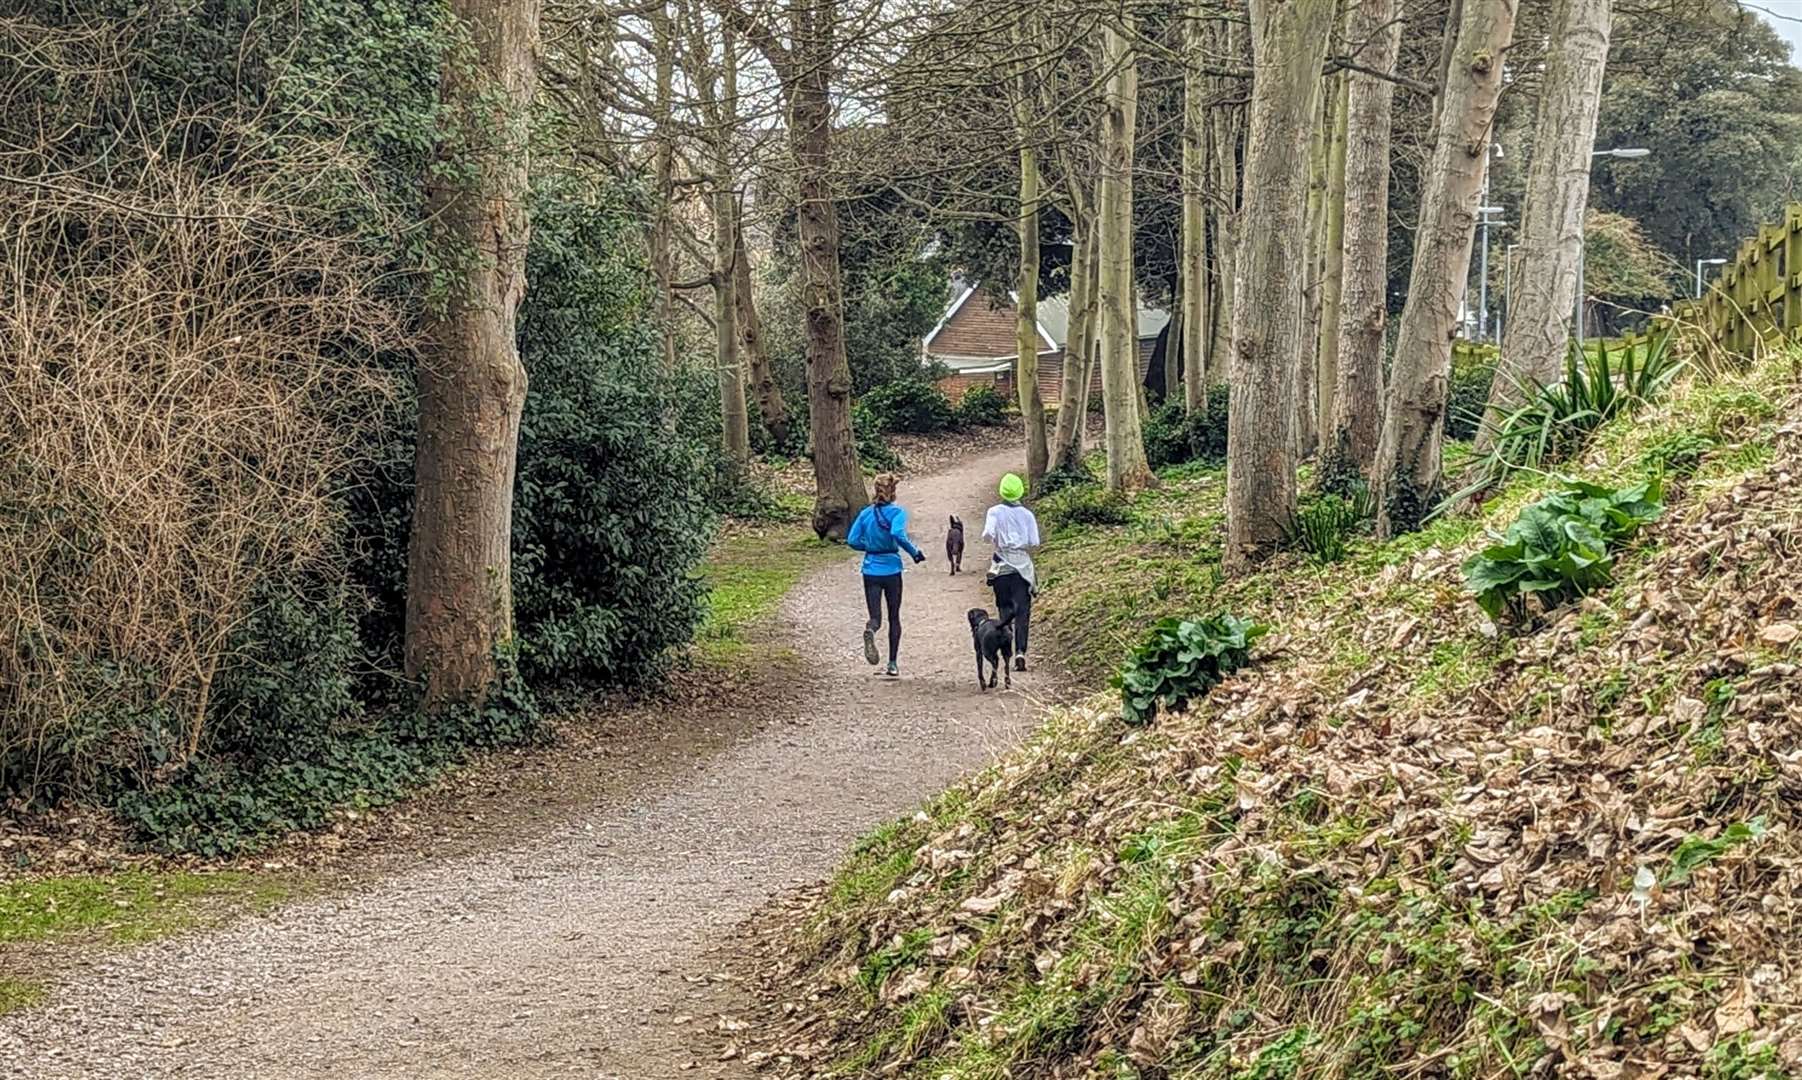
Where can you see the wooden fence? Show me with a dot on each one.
(1756, 300)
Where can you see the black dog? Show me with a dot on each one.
(994, 645)
(954, 545)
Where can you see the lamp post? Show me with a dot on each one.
(1620, 153)
(1484, 222)
(1700, 263)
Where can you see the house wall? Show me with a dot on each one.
(979, 329)
(953, 386)
(1051, 374)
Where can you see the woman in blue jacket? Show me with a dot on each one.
(880, 532)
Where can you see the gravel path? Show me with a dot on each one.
(577, 952)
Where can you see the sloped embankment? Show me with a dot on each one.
(1402, 844)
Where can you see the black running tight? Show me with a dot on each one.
(875, 590)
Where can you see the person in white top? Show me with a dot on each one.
(1014, 532)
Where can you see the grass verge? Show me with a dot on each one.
(749, 574)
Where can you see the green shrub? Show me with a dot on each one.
(908, 407)
(1180, 660)
(1072, 474)
(1325, 522)
(1678, 453)
(1467, 393)
(1561, 547)
(1175, 436)
(1558, 419)
(873, 451)
(981, 406)
(1089, 504)
(611, 516)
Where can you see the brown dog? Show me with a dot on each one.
(954, 545)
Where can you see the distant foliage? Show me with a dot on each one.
(981, 406)
(1473, 372)
(1560, 548)
(1181, 660)
(1074, 474)
(908, 407)
(1086, 504)
(873, 451)
(1175, 436)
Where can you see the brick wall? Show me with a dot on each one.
(978, 329)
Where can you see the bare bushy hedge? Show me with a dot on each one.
(182, 393)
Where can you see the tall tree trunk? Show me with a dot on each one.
(1026, 336)
(1066, 442)
(735, 422)
(1307, 360)
(472, 386)
(1357, 404)
(1193, 269)
(1228, 124)
(1551, 247)
(1332, 284)
(1408, 466)
(1289, 40)
(1121, 387)
(770, 404)
(663, 170)
(839, 491)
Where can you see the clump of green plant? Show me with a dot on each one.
(1467, 394)
(873, 451)
(981, 406)
(1678, 453)
(1560, 547)
(1174, 435)
(1558, 418)
(1183, 659)
(1323, 524)
(1089, 504)
(1068, 475)
(909, 407)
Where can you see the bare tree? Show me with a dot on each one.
(771, 405)
(803, 59)
(718, 89)
(1289, 40)
(1538, 330)
(1026, 337)
(1332, 274)
(1126, 464)
(1408, 469)
(1350, 434)
(472, 386)
(1193, 275)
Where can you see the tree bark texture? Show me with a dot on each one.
(1332, 280)
(1408, 469)
(1228, 124)
(1026, 336)
(471, 384)
(663, 168)
(1193, 269)
(1307, 360)
(1120, 383)
(839, 491)
(1538, 331)
(771, 405)
(1350, 437)
(1066, 442)
(1289, 41)
(722, 108)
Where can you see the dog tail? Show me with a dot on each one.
(1007, 622)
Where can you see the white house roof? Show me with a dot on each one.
(1054, 319)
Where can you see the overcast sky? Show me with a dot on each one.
(1786, 16)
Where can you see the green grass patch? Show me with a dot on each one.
(16, 994)
(130, 907)
(748, 576)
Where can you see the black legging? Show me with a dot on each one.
(1013, 594)
(874, 590)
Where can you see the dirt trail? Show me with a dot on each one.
(573, 953)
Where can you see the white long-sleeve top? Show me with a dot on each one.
(1015, 532)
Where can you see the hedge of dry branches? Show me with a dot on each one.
(182, 392)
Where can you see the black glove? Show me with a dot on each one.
(919, 557)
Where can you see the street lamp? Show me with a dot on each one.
(1700, 263)
(1619, 153)
(1483, 223)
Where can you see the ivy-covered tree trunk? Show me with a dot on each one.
(1551, 246)
(471, 384)
(1289, 40)
(1408, 470)
(1350, 436)
(771, 405)
(1120, 384)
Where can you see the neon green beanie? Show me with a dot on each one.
(1012, 488)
